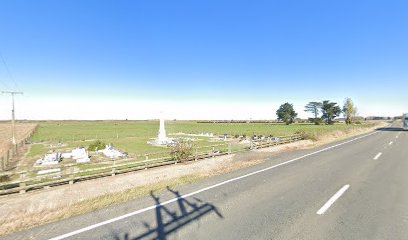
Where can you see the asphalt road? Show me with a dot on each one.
(355, 189)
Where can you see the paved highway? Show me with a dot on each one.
(354, 189)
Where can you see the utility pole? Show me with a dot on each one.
(13, 127)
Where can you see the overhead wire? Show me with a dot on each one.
(5, 85)
(9, 74)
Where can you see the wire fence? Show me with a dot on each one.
(7, 155)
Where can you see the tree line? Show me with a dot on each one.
(323, 112)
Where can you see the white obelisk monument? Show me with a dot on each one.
(162, 131)
(162, 139)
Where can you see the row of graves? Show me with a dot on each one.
(80, 155)
(242, 139)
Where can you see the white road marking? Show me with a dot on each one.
(377, 156)
(391, 143)
(336, 196)
(90, 227)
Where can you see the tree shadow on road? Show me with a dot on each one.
(171, 220)
(390, 129)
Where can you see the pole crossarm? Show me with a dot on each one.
(11, 92)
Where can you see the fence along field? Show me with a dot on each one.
(23, 133)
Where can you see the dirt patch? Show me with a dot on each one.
(232, 167)
(288, 147)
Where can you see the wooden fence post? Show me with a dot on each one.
(195, 157)
(72, 175)
(7, 159)
(22, 182)
(3, 167)
(229, 148)
(113, 168)
(71, 178)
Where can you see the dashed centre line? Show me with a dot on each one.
(377, 156)
(390, 143)
(334, 198)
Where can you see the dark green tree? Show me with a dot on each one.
(330, 111)
(286, 113)
(314, 107)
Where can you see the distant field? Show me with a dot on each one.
(131, 136)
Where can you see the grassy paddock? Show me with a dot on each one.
(132, 136)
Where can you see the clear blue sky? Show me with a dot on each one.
(210, 53)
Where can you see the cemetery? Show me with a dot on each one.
(151, 139)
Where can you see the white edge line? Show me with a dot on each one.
(336, 196)
(377, 156)
(90, 227)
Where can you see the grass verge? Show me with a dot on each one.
(25, 221)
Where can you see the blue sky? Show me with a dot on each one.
(228, 59)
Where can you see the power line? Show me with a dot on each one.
(4, 84)
(9, 72)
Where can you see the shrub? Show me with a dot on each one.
(181, 150)
(316, 121)
(308, 135)
(96, 145)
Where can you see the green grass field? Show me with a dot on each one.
(132, 136)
